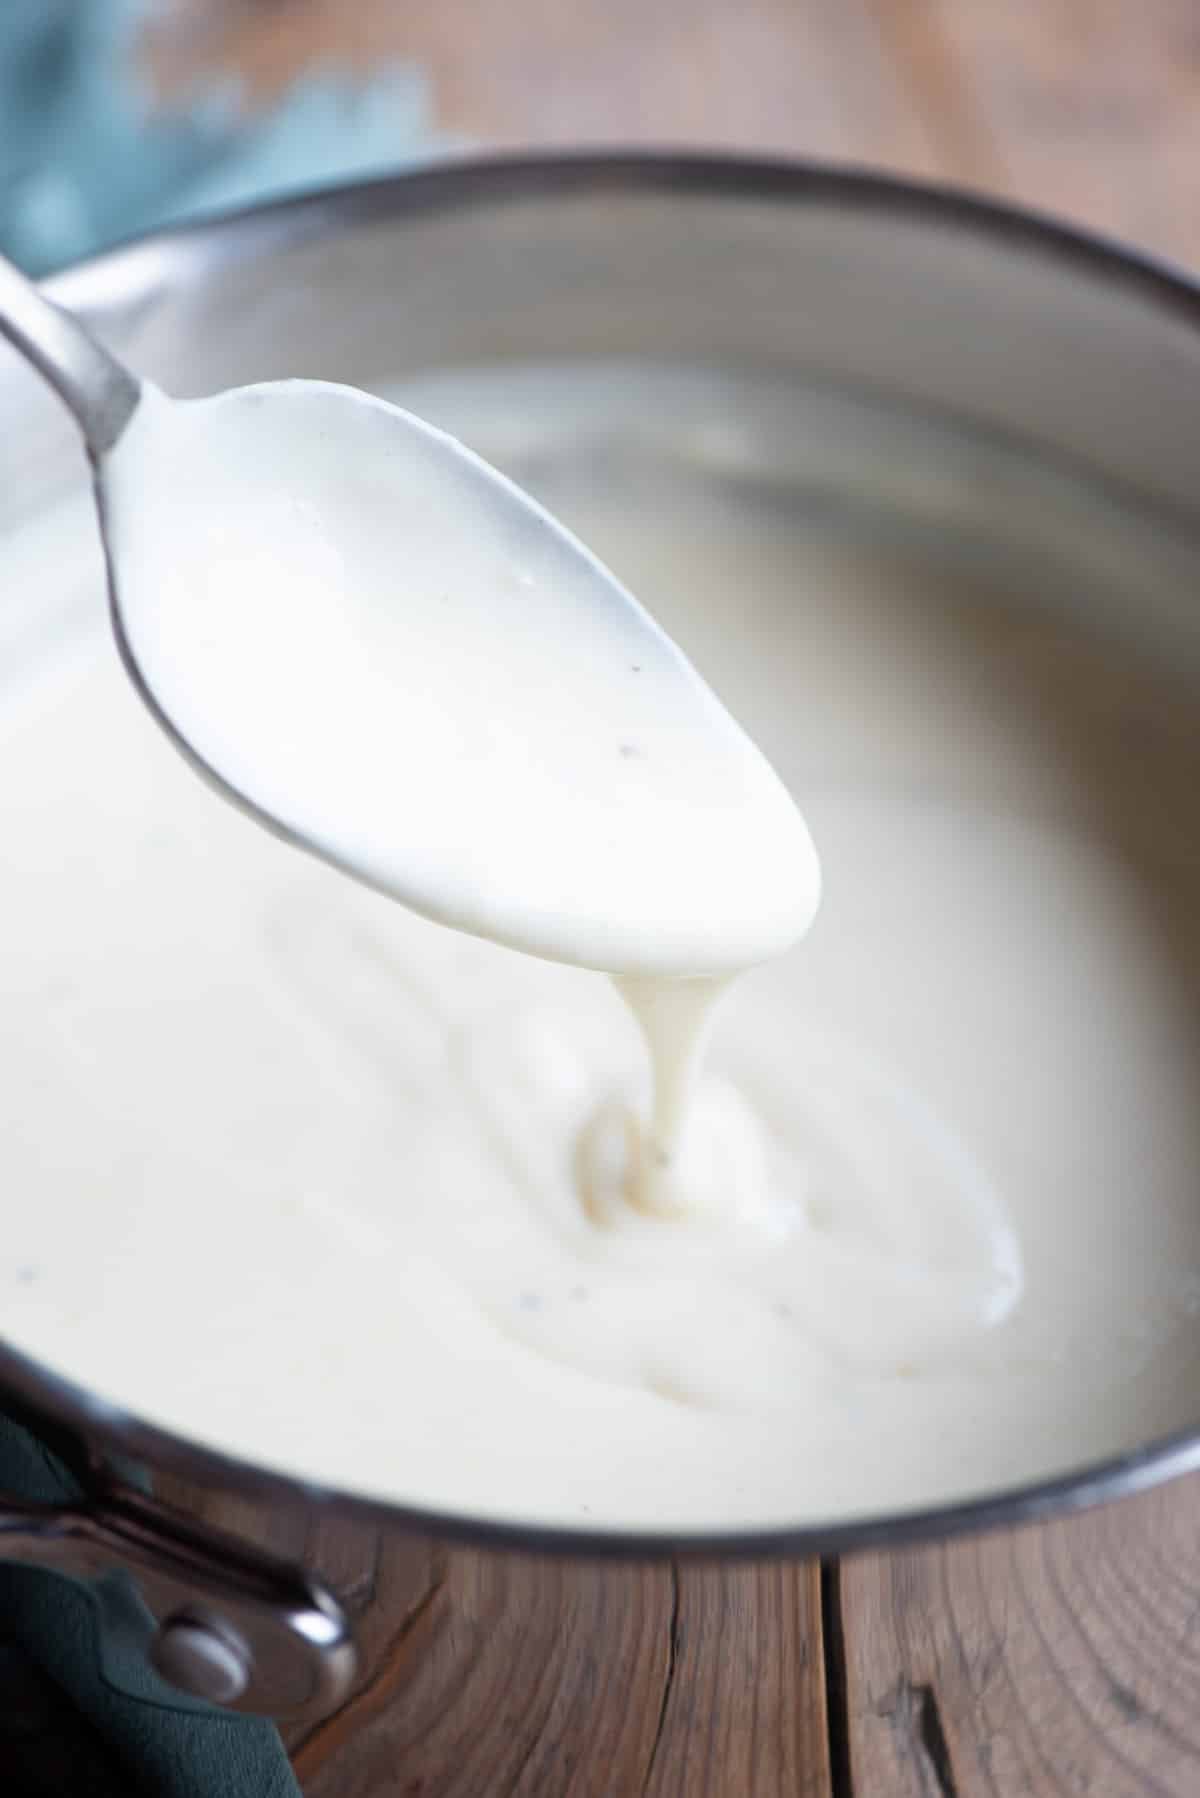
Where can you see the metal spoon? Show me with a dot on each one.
(606, 818)
(98, 391)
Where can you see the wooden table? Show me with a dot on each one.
(1057, 1659)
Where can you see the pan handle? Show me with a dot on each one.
(226, 1622)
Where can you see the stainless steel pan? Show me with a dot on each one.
(1086, 353)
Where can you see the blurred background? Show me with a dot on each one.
(120, 114)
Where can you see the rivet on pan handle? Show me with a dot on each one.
(227, 1622)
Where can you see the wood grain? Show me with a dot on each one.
(744, 1710)
(484, 1675)
(1090, 108)
(1058, 1659)
(767, 75)
(531, 1676)
(516, 1675)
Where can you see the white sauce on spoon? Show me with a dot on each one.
(383, 646)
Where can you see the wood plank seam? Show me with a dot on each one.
(668, 1675)
(837, 1692)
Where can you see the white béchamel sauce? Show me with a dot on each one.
(311, 1179)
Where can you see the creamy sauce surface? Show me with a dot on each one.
(370, 1187)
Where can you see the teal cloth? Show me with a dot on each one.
(86, 158)
(78, 1699)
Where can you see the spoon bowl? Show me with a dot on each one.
(391, 656)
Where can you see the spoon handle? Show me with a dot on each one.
(99, 392)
